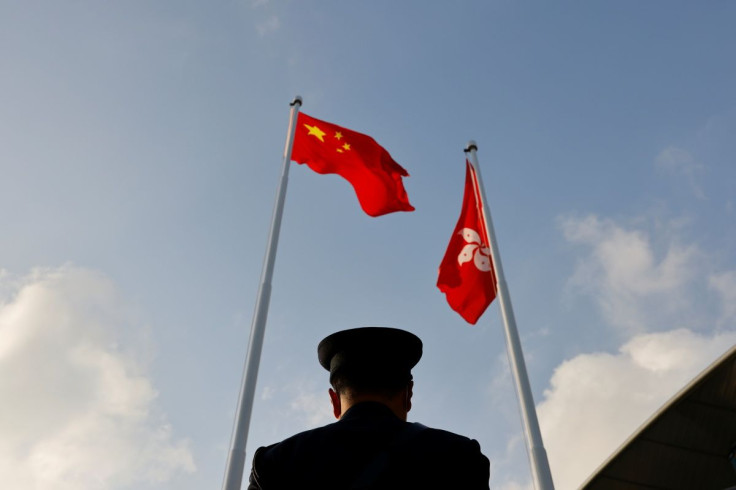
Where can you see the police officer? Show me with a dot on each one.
(371, 446)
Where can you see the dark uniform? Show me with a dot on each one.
(370, 447)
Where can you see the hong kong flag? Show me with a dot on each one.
(466, 273)
(330, 149)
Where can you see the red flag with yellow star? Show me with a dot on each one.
(330, 149)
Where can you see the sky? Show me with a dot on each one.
(140, 151)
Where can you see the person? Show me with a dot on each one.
(371, 446)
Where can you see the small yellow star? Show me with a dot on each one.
(346, 146)
(338, 135)
(339, 150)
(316, 132)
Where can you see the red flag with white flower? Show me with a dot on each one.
(331, 149)
(466, 273)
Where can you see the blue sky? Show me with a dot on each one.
(141, 149)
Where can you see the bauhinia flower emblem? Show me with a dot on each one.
(474, 250)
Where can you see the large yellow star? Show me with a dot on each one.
(316, 132)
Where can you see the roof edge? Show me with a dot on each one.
(669, 403)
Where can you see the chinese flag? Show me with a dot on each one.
(330, 149)
(466, 273)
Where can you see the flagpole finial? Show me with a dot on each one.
(297, 100)
(471, 146)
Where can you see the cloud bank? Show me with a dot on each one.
(78, 411)
(638, 287)
(595, 401)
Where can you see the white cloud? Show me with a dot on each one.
(725, 285)
(267, 393)
(650, 288)
(636, 289)
(267, 26)
(314, 408)
(677, 160)
(681, 163)
(513, 485)
(78, 411)
(515, 452)
(299, 404)
(597, 400)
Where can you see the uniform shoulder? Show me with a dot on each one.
(269, 460)
(438, 448)
(434, 443)
(295, 441)
(446, 435)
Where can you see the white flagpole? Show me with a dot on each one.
(537, 455)
(236, 459)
